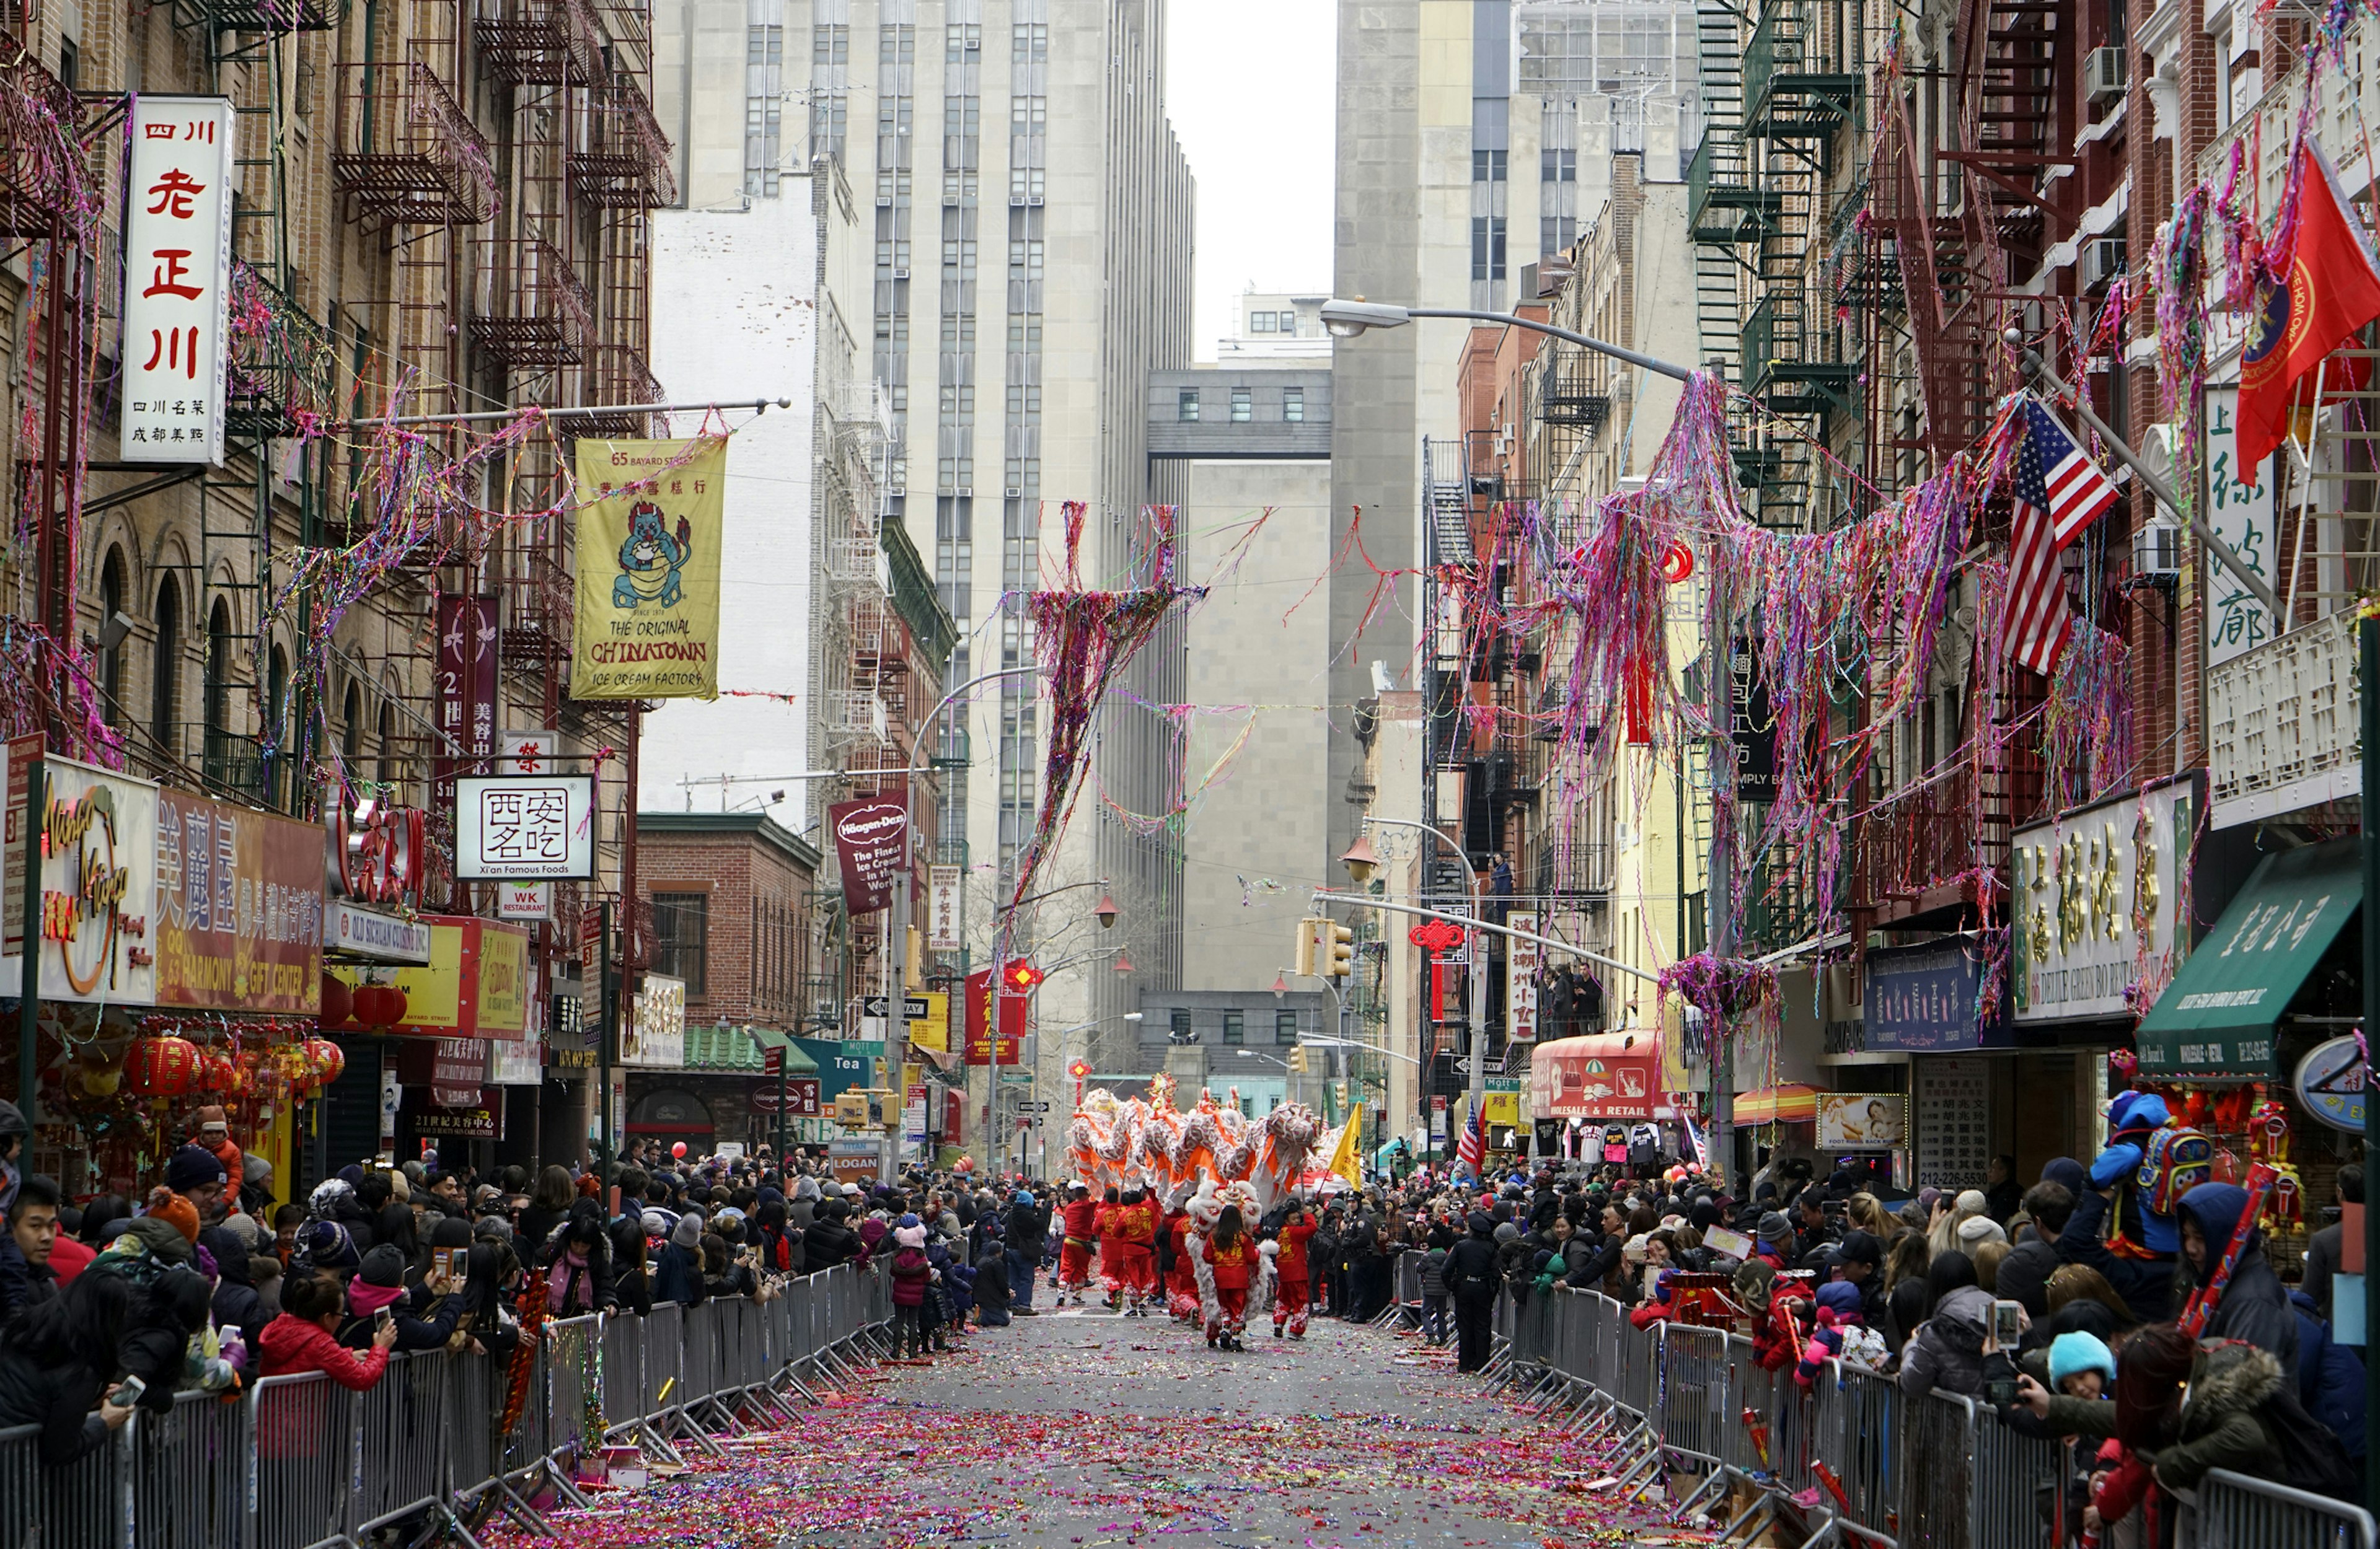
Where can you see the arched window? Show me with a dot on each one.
(275, 735)
(165, 668)
(391, 772)
(111, 650)
(351, 728)
(217, 706)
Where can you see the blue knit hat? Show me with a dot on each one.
(2077, 1352)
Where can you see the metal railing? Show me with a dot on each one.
(1880, 1467)
(298, 1461)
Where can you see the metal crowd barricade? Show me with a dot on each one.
(665, 1359)
(2236, 1512)
(1940, 1494)
(402, 1463)
(20, 1483)
(624, 1369)
(2018, 1484)
(475, 1390)
(302, 1473)
(1750, 1387)
(189, 1474)
(701, 1342)
(1856, 1435)
(570, 1355)
(525, 1444)
(1691, 1400)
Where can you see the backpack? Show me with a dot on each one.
(2173, 1163)
(2312, 1458)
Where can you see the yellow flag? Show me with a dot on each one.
(647, 623)
(1344, 1162)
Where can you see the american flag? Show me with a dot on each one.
(1471, 1152)
(2059, 492)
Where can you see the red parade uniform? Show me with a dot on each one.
(1230, 1265)
(1292, 1277)
(1138, 1233)
(1182, 1281)
(1111, 1236)
(1074, 1253)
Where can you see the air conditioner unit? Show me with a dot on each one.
(1014, 492)
(2103, 261)
(1034, 202)
(900, 273)
(1016, 202)
(966, 491)
(2103, 74)
(2157, 552)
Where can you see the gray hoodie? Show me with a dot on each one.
(1949, 1350)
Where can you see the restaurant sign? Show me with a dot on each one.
(2097, 894)
(239, 908)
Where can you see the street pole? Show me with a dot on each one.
(1479, 998)
(896, 1010)
(610, 995)
(1719, 874)
(2368, 637)
(29, 1012)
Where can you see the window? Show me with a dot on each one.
(351, 725)
(682, 937)
(1260, 322)
(110, 656)
(1285, 1027)
(1488, 166)
(1557, 166)
(1293, 404)
(1488, 247)
(1178, 1029)
(163, 700)
(1236, 1030)
(1187, 406)
(216, 707)
(1243, 405)
(391, 774)
(1289, 323)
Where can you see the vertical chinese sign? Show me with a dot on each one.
(178, 280)
(1522, 961)
(2239, 507)
(942, 916)
(466, 692)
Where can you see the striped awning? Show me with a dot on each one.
(1790, 1104)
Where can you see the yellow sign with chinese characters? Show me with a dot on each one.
(648, 615)
(2094, 904)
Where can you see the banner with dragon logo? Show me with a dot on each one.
(648, 613)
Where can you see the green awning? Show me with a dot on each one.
(2216, 1019)
(797, 1062)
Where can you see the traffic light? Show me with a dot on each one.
(1297, 1061)
(913, 965)
(1305, 932)
(1339, 945)
(1021, 976)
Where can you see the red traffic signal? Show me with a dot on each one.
(1023, 975)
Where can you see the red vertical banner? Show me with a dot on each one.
(467, 692)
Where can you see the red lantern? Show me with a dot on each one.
(161, 1067)
(327, 1060)
(339, 1002)
(379, 1005)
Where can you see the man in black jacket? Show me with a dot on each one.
(1029, 1235)
(1473, 1277)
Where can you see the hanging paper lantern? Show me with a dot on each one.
(339, 1002)
(102, 1081)
(162, 1067)
(216, 1072)
(379, 1005)
(327, 1059)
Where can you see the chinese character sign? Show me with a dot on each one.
(466, 684)
(523, 828)
(942, 920)
(2239, 506)
(238, 910)
(647, 620)
(177, 280)
(1521, 965)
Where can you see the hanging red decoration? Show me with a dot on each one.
(161, 1067)
(216, 1073)
(339, 1002)
(379, 1005)
(327, 1059)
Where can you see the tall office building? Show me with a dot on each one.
(1026, 279)
(1463, 126)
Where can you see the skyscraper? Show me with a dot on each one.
(1005, 399)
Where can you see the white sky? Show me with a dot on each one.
(1249, 86)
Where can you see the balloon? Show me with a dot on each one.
(678, 1150)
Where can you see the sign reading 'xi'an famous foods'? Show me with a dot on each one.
(238, 913)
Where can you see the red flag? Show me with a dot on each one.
(2333, 288)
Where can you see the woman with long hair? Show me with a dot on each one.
(546, 1208)
(1231, 1255)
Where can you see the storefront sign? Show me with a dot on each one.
(1863, 1120)
(1953, 1122)
(23, 753)
(853, 1161)
(176, 279)
(801, 1097)
(504, 982)
(654, 1036)
(525, 900)
(648, 616)
(524, 826)
(1600, 1075)
(1922, 999)
(1522, 962)
(868, 841)
(99, 879)
(1016, 1013)
(1753, 730)
(515, 1062)
(943, 911)
(377, 853)
(365, 933)
(484, 1121)
(842, 1067)
(239, 908)
(2330, 1085)
(466, 688)
(474, 985)
(457, 1072)
(2095, 894)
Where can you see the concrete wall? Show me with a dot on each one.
(734, 317)
(1268, 432)
(1258, 640)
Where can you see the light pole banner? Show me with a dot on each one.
(942, 915)
(648, 616)
(1521, 961)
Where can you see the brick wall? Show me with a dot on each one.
(739, 871)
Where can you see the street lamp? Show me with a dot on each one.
(1348, 320)
(1281, 984)
(1359, 860)
(1106, 912)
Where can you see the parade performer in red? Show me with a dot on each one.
(1074, 1253)
(1228, 1254)
(1289, 1307)
(1181, 1269)
(1110, 1224)
(1137, 1218)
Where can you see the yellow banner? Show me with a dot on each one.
(648, 615)
(932, 1032)
(1346, 1162)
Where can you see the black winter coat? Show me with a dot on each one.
(1471, 1268)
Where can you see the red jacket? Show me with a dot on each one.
(1083, 1220)
(1110, 1219)
(291, 1345)
(1291, 1264)
(1777, 1334)
(1231, 1263)
(1137, 1224)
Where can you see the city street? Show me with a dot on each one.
(1085, 1429)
